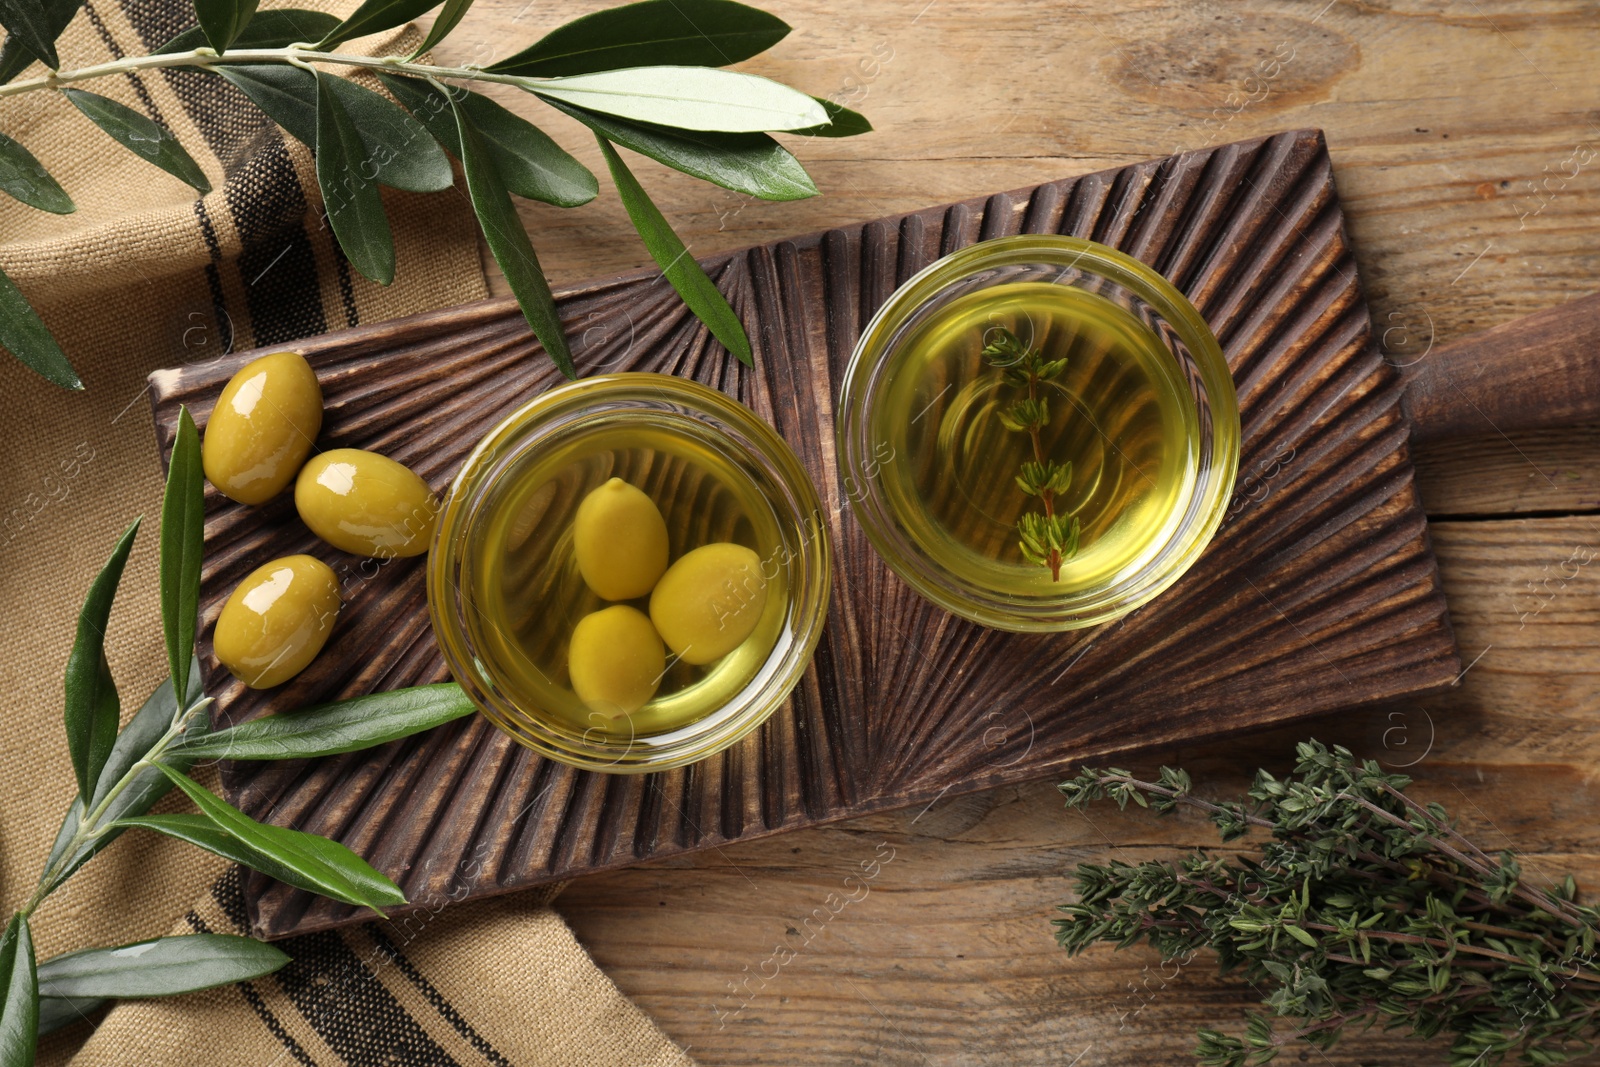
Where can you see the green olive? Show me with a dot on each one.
(366, 503)
(262, 428)
(277, 620)
(620, 540)
(709, 601)
(615, 660)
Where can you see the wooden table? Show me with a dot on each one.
(1466, 136)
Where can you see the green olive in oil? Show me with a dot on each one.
(961, 453)
(529, 594)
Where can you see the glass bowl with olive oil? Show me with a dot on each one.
(629, 573)
(1038, 433)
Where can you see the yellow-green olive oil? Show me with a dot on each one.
(1119, 413)
(528, 594)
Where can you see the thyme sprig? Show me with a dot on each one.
(1047, 539)
(1365, 907)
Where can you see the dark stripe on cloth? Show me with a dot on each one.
(219, 303)
(445, 1009)
(340, 996)
(116, 53)
(248, 991)
(276, 261)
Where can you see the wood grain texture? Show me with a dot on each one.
(1320, 591)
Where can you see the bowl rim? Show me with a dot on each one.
(812, 562)
(1058, 250)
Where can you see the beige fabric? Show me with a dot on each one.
(130, 283)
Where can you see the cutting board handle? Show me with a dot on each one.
(1532, 373)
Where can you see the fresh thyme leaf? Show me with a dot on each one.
(1363, 906)
(711, 33)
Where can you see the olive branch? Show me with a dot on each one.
(643, 76)
(1046, 539)
(121, 774)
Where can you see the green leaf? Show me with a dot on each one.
(24, 334)
(15, 56)
(30, 23)
(691, 33)
(447, 19)
(269, 29)
(329, 729)
(751, 163)
(665, 247)
(161, 967)
(843, 122)
(140, 136)
(22, 177)
(182, 533)
(687, 98)
(1305, 937)
(19, 996)
(56, 1013)
(531, 164)
(224, 20)
(303, 860)
(355, 210)
(375, 16)
(92, 709)
(394, 145)
(149, 785)
(509, 244)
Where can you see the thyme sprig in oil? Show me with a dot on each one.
(1046, 538)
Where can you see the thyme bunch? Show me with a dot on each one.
(1365, 907)
(1047, 539)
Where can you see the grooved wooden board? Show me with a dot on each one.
(1320, 591)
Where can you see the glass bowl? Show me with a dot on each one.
(583, 432)
(930, 477)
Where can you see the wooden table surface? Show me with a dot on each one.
(1466, 139)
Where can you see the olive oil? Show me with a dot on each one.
(528, 595)
(1119, 413)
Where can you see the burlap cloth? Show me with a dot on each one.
(143, 276)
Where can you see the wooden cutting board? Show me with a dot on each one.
(1319, 592)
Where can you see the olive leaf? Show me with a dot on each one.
(91, 704)
(161, 967)
(140, 135)
(375, 16)
(57, 1012)
(446, 20)
(508, 243)
(842, 122)
(302, 860)
(24, 335)
(224, 20)
(667, 249)
(277, 28)
(182, 534)
(712, 33)
(329, 729)
(530, 163)
(149, 785)
(15, 55)
(19, 995)
(354, 208)
(23, 177)
(751, 163)
(30, 23)
(394, 146)
(690, 98)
